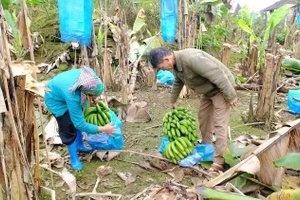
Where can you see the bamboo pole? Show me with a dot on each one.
(45, 141)
(185, 19)
(179, 27)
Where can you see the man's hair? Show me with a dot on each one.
(157, 55)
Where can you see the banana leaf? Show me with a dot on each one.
(211, 2)
(207, 193)
(275, 18)
(247, 29)
(291, 64)
(290, 161)
(5, 4)
(140, 21)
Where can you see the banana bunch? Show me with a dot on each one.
(179, 122)
(178, 149)
(97, 115)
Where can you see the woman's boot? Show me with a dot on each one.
(75, 162)
(80, 145)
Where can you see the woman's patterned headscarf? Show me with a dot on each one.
(88, 83)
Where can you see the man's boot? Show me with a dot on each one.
(80, 145)
(75, 162)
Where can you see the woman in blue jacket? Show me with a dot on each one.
(65, 100)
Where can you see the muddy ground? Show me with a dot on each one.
(147, 141)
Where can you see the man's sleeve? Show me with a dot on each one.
(215, 73)
(176, 89)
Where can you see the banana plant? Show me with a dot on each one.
(11, 19)
(138, 45)
(275, 18)
(7, 3)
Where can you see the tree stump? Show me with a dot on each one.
(226, 54)
(297, 46)
(253, 59)
(267, 94)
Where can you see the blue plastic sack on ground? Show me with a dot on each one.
(168, 19)
(165, 77)
(103, 141)
(75, 21)
(201, 152)
(164, 142)
(293, 105)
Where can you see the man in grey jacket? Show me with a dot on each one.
(205, 75)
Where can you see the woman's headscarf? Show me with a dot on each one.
(88, 83)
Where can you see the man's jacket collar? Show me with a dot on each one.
(178, 61)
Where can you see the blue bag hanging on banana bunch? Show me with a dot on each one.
(104, 141)
(75, 21)
(168, 19)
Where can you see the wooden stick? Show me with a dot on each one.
(161, 158)
(97, 195)
(96, 185)
(298, 100)
(135, 163)
(143, 154)
(139, 194)
(51, 170)
(249, 124)
(197, 169)
(44, 139)
(37, 172)
(52, 192)
(178, 185)
(155, 126)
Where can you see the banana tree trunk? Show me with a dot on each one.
(267, 95)
(252, 64)
(297, 46)
(16, 181)
(107, 70)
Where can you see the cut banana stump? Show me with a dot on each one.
(179, 126)
(98, 115)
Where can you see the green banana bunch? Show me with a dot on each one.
(179, 126)
(179, 122)
(98, 115)
(178, 149)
